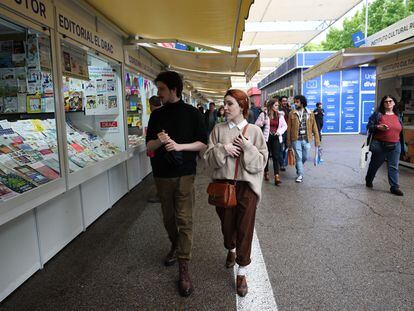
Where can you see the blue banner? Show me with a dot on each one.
(368, 107)
(312, 92)
(368, 79)
(331, 101)
(350, 101)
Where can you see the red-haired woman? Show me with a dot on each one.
(226, 144)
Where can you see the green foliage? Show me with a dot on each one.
(312, 47)
(382, 13)
(410, 6)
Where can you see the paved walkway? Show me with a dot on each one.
(326, 244)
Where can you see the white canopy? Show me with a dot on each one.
(279, 28)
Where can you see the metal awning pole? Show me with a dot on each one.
(366, 19)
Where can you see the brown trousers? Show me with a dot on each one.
(237, 224)
(177, 200)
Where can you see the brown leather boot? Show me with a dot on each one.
(266, 176)
(184, 284)
(241, 286)
(231, 259)
(277, 180)
(171, 257)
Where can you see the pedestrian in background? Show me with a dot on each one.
(210, 117)
(201, 109)
(253, 113)
(301, 126)
(263, 122)
(319, 114)
(226, 144)
(154, 103)
(277, 127)
(176, 134)
(221, 116)
(284, 106)
(385, 132)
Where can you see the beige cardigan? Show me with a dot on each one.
(252, 160)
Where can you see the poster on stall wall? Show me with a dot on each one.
(6, 49)
(44, 52)
(10, 104)
(21, 78)
(19, 54)
(91, 103)
(33, 59)
(21, 102)
(34, 81)
(48, 104)
(73, 101)
(74, 62)
(47, 83)
(103, 86)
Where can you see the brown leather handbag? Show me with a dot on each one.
(223, 193)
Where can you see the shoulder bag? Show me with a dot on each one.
(223, 193)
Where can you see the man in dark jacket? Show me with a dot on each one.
(210, 117)
(176, 134)
(319, 114)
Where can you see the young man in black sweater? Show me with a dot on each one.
(176, 134)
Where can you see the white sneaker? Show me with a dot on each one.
(299, 179)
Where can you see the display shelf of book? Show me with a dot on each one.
(137, 148)
(27, 201)
(78, 177)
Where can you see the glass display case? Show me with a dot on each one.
(138, 91)
(93, 107)
(29, 155)
(407, 107)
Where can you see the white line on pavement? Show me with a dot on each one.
(260, 295)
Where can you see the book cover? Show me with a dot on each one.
(15, 182)
(6, 193)
(32, 174)
(52, 163)
(10, 104)
(45, 170)
(34, 104)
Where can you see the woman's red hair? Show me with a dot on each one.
(241, 98)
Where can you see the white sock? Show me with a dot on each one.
(232, 250)
(242, 270)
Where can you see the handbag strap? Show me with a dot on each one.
(237, 160)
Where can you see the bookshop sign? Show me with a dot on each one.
(38, 10)
(132, 59)
(84, 33)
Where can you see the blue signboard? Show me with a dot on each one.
(358, 38)
(368, 107)
(312, 92)
(180, 46)
(331, 101)
(350, 101)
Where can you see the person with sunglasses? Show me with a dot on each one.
(385, 134)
